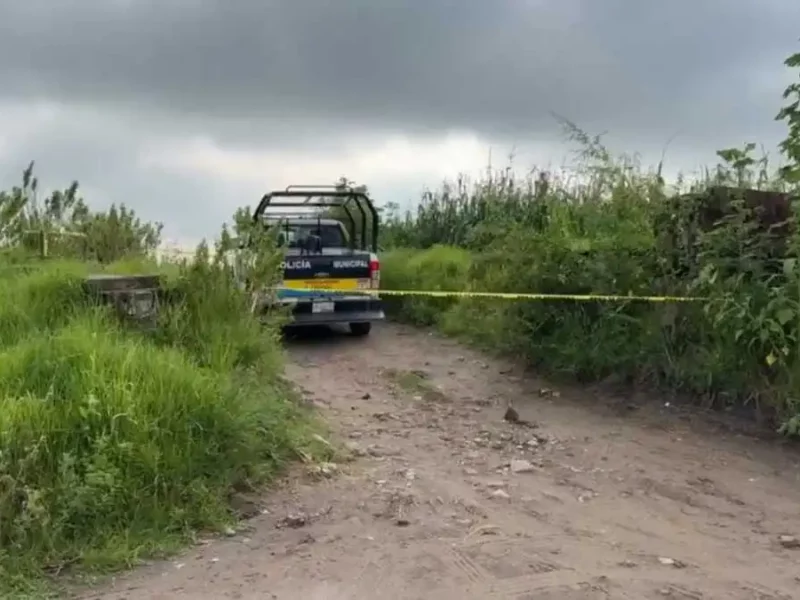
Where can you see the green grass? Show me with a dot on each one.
(117, 445)
(440, 268)
(416, 384)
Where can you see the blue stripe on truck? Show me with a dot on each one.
(289, 293)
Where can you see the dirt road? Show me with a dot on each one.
(596, 499)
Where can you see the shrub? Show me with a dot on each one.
(441, 268)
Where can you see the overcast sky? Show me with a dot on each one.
(186, 109)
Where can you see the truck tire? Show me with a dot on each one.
(360, 329)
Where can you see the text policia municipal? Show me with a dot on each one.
(301, 264)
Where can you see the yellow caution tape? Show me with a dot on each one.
(510, 295)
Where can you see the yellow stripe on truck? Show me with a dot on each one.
(326, 284)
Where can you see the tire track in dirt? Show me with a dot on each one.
(442, 499)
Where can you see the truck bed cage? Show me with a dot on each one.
(321, 197)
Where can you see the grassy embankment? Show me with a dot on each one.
(117, 444)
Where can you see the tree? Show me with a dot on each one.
(791, 114)
(112, 235)
(69, 226)
(355, 207)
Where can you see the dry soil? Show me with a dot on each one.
(597, 497)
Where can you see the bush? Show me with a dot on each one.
(64, 225)
(440, 268)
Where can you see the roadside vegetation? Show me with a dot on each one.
(118, 444)
(612, 226)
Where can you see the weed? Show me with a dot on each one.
(416, 384)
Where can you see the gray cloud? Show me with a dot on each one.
(302, 74)
(499, 66)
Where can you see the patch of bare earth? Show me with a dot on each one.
(443, 499)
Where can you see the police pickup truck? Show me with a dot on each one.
(329, 277)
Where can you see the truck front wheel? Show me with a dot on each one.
(360, 329)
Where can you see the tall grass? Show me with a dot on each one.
(117, 444)
(610, 228)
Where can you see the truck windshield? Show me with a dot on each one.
(293, 234)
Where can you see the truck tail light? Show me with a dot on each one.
(375, 273)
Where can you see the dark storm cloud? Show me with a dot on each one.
(636, 67)
(312, 76)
